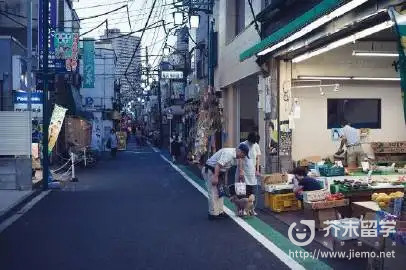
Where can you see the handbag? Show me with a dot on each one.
(240, 188)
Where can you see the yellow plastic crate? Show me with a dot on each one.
(282, 202)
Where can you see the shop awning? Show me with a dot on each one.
(316, 12)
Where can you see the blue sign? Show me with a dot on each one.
(52, 20)
(89, 101)
(21, 97)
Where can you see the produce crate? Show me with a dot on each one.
(282, 202)
(326, 204)
(343, 189)
(329, 171)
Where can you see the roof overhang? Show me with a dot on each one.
(328, 20)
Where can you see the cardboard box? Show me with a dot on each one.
(321, 215)
(306, 161)
(275, 178)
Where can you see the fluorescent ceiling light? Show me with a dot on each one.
(344, 41)
(375, 54)
(375, 79)
(316, 24)
(346, 78)
(338, 78)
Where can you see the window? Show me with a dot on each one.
(239, 16)
(360, 113)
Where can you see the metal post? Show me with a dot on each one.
(45, 124)
(161, 135)
(29, 68)
(170, 136)
(29, 56)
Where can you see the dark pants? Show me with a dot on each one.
(113, 152)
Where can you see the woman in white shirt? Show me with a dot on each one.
(249, 168)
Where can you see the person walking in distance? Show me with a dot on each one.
(214, 173)
(113, 143)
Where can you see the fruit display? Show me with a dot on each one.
(335, 197)
(384, 199)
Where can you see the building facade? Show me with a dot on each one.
(125, 46)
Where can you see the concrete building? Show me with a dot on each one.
(124, 47)
(100, 99)
(238, 81)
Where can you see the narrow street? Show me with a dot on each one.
(135, 212)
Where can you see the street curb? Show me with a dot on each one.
(18, 205)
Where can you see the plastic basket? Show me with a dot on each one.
(329, 171)
(282, 202)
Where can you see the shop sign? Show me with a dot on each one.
(169, 116)
(51, 31)
(21, 97)
(172, 74)
(88, 64)
(55, 125)
(66, 51)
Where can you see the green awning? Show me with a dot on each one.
(316, 12)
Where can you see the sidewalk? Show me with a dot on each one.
(11, 199)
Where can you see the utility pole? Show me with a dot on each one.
(161, 135)
(29, 66)
(45, 116)
(29, 55)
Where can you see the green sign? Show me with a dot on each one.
(88, 63)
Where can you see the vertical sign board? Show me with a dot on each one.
(55, 126)
(66, 51)
(88, 63)
(52, 19)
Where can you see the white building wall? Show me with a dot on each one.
(230, 69)
(311, 136)
(103, 92)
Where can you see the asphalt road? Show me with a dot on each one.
(135, 212)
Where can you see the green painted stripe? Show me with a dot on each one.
(295, 25)
(266, 230)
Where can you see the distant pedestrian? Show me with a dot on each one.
(175, 148)
(112, 143)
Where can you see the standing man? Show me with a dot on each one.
(113, 143)
(214, 173)
(249, 167)
(350, 137)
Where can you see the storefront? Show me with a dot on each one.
(333, 63)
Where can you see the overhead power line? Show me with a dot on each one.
(73, 20)
(138, 45)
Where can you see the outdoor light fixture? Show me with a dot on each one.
(166, 51)
(375, 54)
(178, 18)
(347, 78)
(316, 24)
(344, 41)
(194, 21)
(139, 99)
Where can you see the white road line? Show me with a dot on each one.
(283, 257)
(22, 211)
